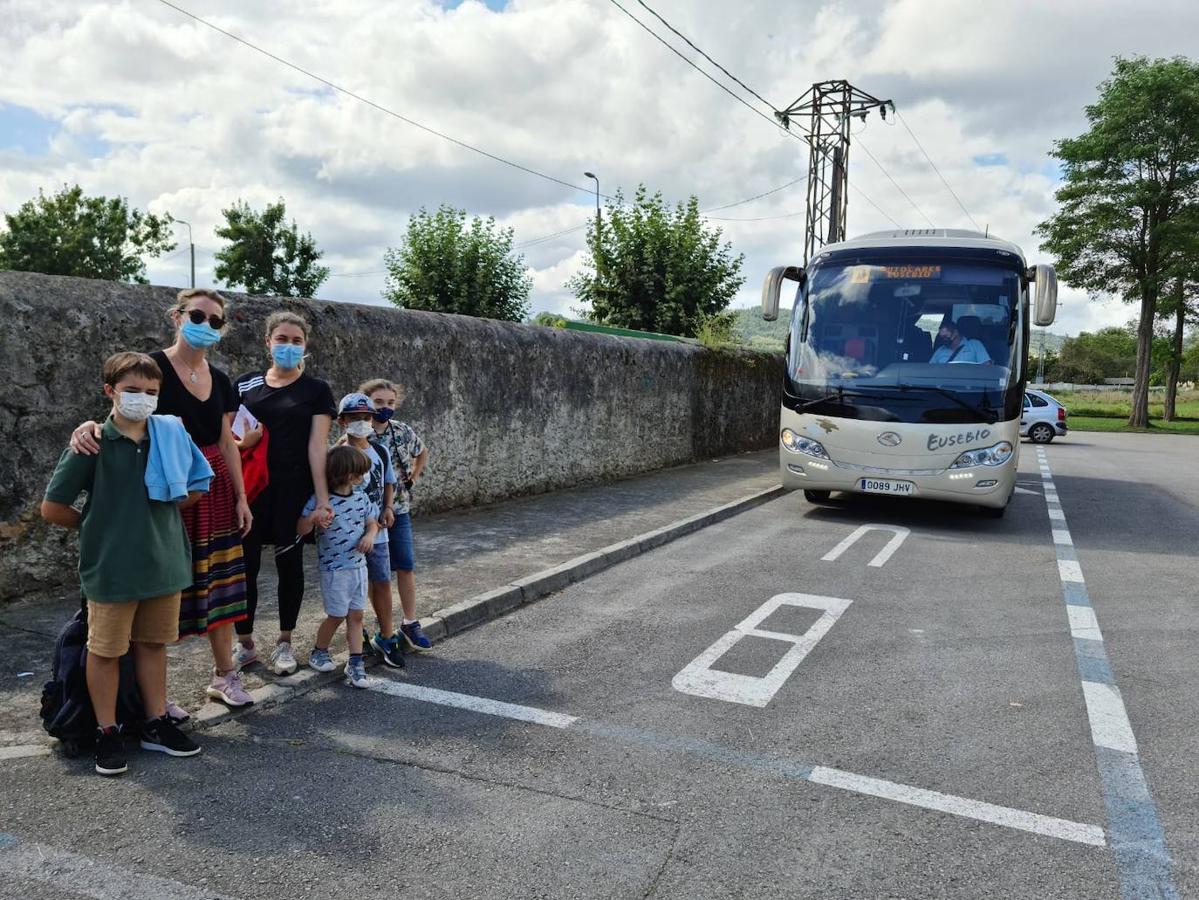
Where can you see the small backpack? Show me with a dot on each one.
(66, 706)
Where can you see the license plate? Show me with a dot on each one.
(886, 486)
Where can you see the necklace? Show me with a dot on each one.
(194, 377)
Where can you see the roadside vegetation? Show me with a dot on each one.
(1109, 411)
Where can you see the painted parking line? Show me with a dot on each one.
(962, 807)
(899, 533)
(80, 876)
(23, 751)
(1142, 858)
(699, 679)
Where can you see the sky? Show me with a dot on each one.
(136, 99)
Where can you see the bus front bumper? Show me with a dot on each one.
(982, 485)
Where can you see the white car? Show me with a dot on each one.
(1043, 418)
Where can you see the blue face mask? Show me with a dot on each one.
(201, 336)
(287, 356)
(382, 414)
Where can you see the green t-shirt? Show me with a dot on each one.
(130, 547)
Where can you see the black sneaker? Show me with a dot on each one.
(389, 650)
(110, 751)
(164, 736)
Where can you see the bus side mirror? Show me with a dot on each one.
(1045, 305)
(773, 284)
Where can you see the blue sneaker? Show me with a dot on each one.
(356, 674)
(389, 650)
(321, 661)
(415, 638)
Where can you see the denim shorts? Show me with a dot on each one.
(399, 539)
(343, 590)
(378, 563)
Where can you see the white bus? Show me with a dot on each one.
(906, 362)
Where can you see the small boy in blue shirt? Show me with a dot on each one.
(341, 550)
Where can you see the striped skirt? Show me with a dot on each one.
(218, 593)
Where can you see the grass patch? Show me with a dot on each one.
(1113, 423)
(1116, 404)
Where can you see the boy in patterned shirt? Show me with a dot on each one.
(341, 550)
(409, 457)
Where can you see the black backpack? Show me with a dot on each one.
(66, 707)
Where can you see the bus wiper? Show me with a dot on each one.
(839, 396)
(988, 414)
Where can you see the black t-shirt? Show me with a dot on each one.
(287, 414)
(202, 419)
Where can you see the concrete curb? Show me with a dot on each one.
(492, 604)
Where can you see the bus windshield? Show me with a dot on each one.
(908, 340)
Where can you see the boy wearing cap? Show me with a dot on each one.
(355, 414)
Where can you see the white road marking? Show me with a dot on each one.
(1109, 720)
(1062, 536)
(23, 750)
(1069, 570)
(698, 678)
(979, 810)
(81, 876)
(1056, 514)
(1083, 623)
(1021, 490)
(880, 558)
(960, 806)
(475, 704)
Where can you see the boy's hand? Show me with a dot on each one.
(251, 437)
(365, 543)
(388, 518)
(85, 439)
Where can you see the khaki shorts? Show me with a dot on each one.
(111, 626)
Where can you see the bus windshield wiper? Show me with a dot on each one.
(839, 396)
(988, 414)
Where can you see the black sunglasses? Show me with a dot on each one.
(198, 318)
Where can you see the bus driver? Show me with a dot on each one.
(956, 348)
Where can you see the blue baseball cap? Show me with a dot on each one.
(355, 403)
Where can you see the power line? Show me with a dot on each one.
(903, 121)
(377, 106)
(883, 169)
(654, 13)
(781, 187)
(689, 62)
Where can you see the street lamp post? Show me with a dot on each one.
(598, 224)
(193, 249)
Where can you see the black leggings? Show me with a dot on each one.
(276, 512)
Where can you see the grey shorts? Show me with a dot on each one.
(343, 590)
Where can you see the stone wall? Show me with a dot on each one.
(506, 409)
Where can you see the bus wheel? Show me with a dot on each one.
(1040, 433)
(817, 496)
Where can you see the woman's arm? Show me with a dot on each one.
(318, 451)
(232, 457)
(86, 438)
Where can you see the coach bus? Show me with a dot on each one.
(906, 362)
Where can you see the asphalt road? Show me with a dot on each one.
(914, 728)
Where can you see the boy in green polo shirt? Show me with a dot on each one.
(134, 559)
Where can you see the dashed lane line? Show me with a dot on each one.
(1143, 860)
(963, 807)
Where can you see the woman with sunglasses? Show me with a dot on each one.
(204, 398)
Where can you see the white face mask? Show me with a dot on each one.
(136, 407)
(360, 429)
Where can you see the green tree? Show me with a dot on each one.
(88, 237)
(1090, 357)
(656, 269)
(267, 256)
(1128, 180)
(444, 264)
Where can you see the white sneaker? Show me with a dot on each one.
(283, 661)
(244, 656)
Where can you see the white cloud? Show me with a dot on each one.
(150, 105)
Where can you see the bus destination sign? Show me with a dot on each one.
(865, 274)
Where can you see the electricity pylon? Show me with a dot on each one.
(828, 108)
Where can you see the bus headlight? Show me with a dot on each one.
(797, 443)
(988, 456)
